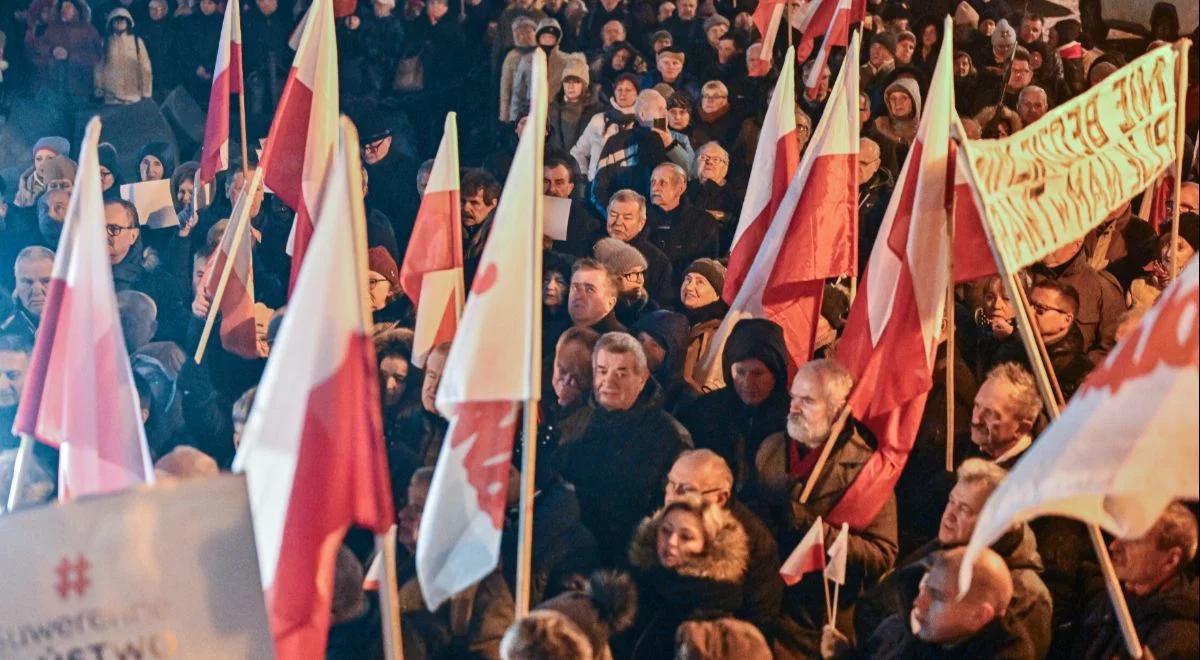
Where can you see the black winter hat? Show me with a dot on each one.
(757, 339)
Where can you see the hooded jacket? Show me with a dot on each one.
(705, 586)
(895, 134)
(123, 75)
(617, 461)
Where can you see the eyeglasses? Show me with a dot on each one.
(714, 159)
(372, 147)
(115, 230)
(376, 281)
(1043, 309)
(105, 174)
(635, 276)
(688, 489)
(714, 97)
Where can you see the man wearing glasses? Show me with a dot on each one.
(683, 232)
(1055, 306)
(392, 173)
(703, 473)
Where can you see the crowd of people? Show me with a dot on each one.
(664, 507)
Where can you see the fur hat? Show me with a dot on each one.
(965, 14)
(59, 145)
(576, 624)
(711, 269)
(576, 67)
(720, 638)
(1004, 35)
(60, 168)
(619, 257)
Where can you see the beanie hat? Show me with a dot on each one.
(670, 330)
(58, 145)
(709, 269)
(669, 53)
(380, 261)
(966, 15)
(107, 155)
(887, 40)
(551, 26)
(605, 607)
(1004, 35)
(905, 35)
(680, 99)
(576, 67)
(619, 257)
(59, 168)
(661, 34)
(631, 78)
(714, 20)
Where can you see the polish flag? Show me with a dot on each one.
(895, 323)
(808, 557)
(238, 335)
(227, 81)
(79, 394)
(313, 449)
(766, 18)
(973, 258)
(490, 370)
(818, 17)
(775, 161)
(432, 274)
(303, 136)
(835, 570)
(837, 34)
(812, 237)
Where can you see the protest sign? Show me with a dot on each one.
(1052, 182)
(162, 572)
(155, 206)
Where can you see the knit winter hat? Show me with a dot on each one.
(1004, 35)
(887, 40)
(966, 15)
(380, 261)
(576, 67)
(60, 168)
(709, 269)
(715, 20)
(619, 257)
(58, 145)
(905, 35)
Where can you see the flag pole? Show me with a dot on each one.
(834, 432)
(242, 101)
(242, 220)
(950, 329)
(1182, 46)
(20, 470)
(1051, 398)
(389, 598)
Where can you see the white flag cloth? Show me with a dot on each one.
(1126, 446)
(488, 373)
(835, 570)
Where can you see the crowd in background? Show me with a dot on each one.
(664, 507)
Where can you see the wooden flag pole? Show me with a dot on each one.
(1182, 46)
(834, 432)
(949, 317)
(20, 470)
(389, 598)
(242, 220)
(242, 115)
(1050, 397)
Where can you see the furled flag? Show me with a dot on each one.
(836, 34)
(835, 570)
(775, 162)
(895, 324)
(811, 237)
(79, 394)
(313, 449)
(766, 17)
(490, 370)
(432, 274)
(1125, 447)
(303, 134)
(227, 81)
(236, 305)
(808, 557)
(816, 20)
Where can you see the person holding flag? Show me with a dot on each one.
(227, 80)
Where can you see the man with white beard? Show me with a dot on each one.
(785, 465)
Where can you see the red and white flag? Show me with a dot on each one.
(775, 162)
(895, 324)
(313, 449)
(836, 34)
(835, 570)
(490, 370)
(973, 258)
(817, 18)
(432, 274)
(79, 394)
(808, 557)
(812, 237)
(238, 335)
(1125, 447)
(227, 81)
(767, 16)
(303, 136)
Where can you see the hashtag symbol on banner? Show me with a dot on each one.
(72, 576)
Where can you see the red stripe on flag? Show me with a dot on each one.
(787, 157)
(39, 361)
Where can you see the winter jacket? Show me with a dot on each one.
(469, 625)
(563, 548)
(617, 461)
(630, 156)
(684, 234)
(73, 76)
(567, 121)
(1101, 302)
(556, 62)
(762, 592)
(1071, 364)
(705, 321)
(508, 74)
(1166, 623)
(591, 141)
(1132, 244)
(706, 586)
(894, 640)
(123, 74)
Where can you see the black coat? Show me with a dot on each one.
(1165, 622)
(1071, 364)
(392, 189)
(563, 548)
(893, 640)
(659, 278)
(684, 234)
(618, 462)
(762, 592)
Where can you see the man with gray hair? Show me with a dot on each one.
(875, 186)
(717, 193)
(1032, 104)
(683, 232)
(625, 220)
(32, 271)
(786, 462)
(630, 154)
(1007, 407)
(617, 450)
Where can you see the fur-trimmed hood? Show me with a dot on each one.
(726, 556)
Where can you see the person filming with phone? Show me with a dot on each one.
(631, 154)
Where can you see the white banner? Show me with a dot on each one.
(1051, 183)
(162, 572)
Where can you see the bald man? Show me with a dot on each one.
(941, 624)
(875, 185)
(702, 472)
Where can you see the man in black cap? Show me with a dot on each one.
(390, 173)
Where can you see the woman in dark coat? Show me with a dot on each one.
(689, 561)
